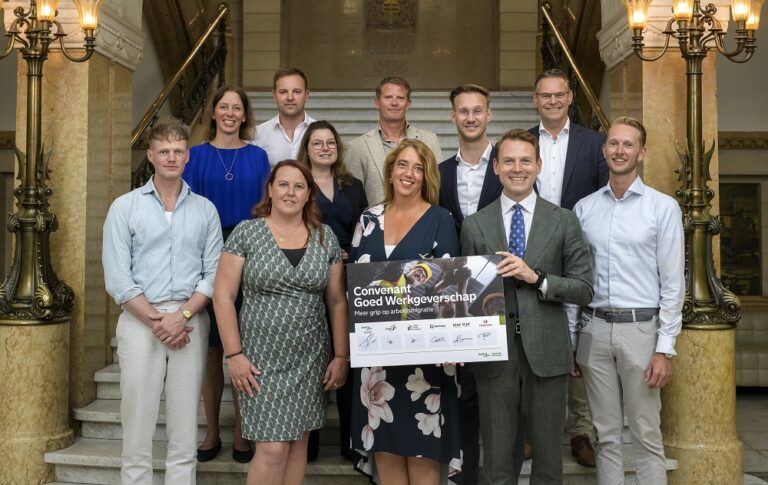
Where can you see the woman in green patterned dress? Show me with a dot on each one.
(289, 265)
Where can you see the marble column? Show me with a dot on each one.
(86, 116)
(699, 404)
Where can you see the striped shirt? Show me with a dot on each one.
(637, 250)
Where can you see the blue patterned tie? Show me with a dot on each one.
(517, 232)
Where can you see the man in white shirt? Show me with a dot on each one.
(573, 167)
(467, 184)
(281, 135)
(627, 337)
(366, 153)
(467, 181)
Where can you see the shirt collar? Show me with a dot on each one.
(381, 133)
(637, 187)
(566, 128)
(149, 188)
(529, 203)
(275, 122)
(483, 159)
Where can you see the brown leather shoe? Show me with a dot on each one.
(527, 451)
(582, 449)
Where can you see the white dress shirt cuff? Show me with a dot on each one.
(665, 345)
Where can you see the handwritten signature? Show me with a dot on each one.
(461, 338)
(369, 340)
(391, 328)
(439, 339)
(483, 335)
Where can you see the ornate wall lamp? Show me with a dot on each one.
(31, 293)
(708, 305)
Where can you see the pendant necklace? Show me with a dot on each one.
(282, 238)
(228, 175)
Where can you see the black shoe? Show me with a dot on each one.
(209, 454)
(242, 456)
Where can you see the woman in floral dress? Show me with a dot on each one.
(405, 419)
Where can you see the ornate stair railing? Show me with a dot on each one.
(202, 68)
(553, 49)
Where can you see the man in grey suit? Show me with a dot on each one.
(366, 153)
(545, 263)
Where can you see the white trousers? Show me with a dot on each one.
(147, 367)
(613, 358)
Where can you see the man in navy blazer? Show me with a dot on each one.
(577, 150)
(467, 184)
(573, 167)
(467, 181)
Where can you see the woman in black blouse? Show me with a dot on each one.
(341, 199)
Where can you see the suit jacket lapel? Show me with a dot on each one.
(453, 190)
(491, 185)
(571, 155)
(373, 140)
(543, 226)
(492, 227)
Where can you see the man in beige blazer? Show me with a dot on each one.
(366, 153)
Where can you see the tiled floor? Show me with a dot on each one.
(752, 426)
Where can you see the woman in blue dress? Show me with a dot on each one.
(341, 199)
(231, 173)
(405, 419)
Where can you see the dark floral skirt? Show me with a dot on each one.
(406, 411)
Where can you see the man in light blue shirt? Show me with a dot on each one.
(161, 249)
(627, 338)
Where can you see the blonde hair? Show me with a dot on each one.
(634, 123)
(430, 189)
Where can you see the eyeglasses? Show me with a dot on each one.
(319, 144)
(464, 113)
(558, 96)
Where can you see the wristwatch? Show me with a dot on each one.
(186, 314)
(541, 277)
(669, 356)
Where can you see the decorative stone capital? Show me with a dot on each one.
(119, 36)
(615, 38)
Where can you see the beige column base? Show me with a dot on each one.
(34, 413)
(698, 414)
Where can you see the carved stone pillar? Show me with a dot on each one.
(86, 118)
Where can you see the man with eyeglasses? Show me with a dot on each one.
(467, 181)
(573, 166)
(281, 135)
(467, 184)
(366, 153)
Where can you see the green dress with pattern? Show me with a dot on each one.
(283, 331)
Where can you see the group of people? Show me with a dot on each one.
(234, 252)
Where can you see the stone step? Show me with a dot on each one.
(101, 420)
(96, 461)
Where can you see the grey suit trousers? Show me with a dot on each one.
(504, 399)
